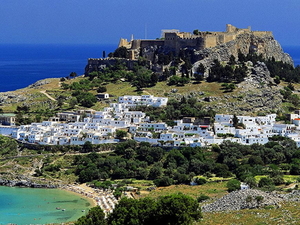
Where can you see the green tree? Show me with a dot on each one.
(121, 52)
(133, 212)
(87, 146)
(120, 134)
(202, 198)
(232, 60)
(295, 169)
(101, 89)
(251, 182)
(155, 172)
(8, 146)
(143, 78)
(278, 179)
(154, 78)
(277, 80)
(233, 185)
(163, 182)
(259, 199)
(196, 32)
(228, 87)
(199, 75)
(174, 80)
(177, 209)
(255, 160)
(95, 216)
(235, 121)
(73, 102)
(60, 100)
(200, 181)
(86, 99)
(73, 74)
(291, 86)
(241, 57)
(231, 87)
(266, 183)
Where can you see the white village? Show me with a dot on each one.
(99, 127)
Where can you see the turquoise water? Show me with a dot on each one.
(40, 206)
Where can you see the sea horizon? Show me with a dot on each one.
(24, 64)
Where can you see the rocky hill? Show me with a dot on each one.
(258, 92)
(244, 43)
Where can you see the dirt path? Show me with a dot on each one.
(44, 92)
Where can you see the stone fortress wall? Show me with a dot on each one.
(175, 40)
(172, 40)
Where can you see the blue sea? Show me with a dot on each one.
(22, 65)
(294, 52)
(40, 206)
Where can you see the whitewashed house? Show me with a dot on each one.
(224, 129)
(224, 119)
(148, 100)
(269, 119)
(283, 129)
(157, 127)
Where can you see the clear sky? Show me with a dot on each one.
(106, 21)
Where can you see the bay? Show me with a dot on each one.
(40, 206)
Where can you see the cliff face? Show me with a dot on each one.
(248, 42)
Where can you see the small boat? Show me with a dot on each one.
(58, 208)
(63, 209)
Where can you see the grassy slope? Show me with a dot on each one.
(36, 99)
(287, 214)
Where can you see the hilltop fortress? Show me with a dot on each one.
(174, 40)
(202, 46)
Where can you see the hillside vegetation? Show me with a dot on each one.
(243, 85)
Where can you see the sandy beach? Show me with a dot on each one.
(92, 201)
(104, 198)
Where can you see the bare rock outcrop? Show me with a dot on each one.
(249, 199)
(243, 199)
(244, 43)
(257, 93)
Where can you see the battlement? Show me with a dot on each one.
(174, 39)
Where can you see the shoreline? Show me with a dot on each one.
(99, 197)
(91, 200)
(96, 197)
(23, 205)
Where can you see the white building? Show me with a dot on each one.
(148, 100)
